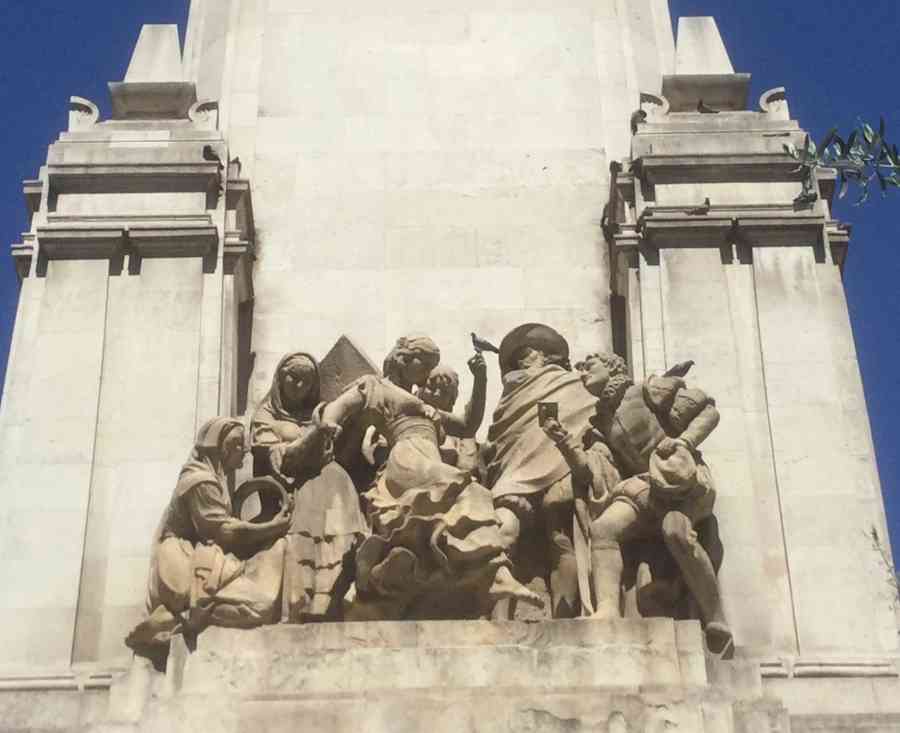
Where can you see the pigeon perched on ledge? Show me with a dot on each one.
(700, 210)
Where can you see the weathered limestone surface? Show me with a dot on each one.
(445, 165)
(647, 675)
(123, 340)
(736, 275)
(421, 167)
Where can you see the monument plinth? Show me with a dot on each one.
(653, 511)
(578, 675)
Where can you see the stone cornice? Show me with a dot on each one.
(717, 168)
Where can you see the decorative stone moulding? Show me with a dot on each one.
(676, 143)
(186, 241)
(81, 242)
(718, 168)
(655, 105)
(205, 115)
(110, 177)
(723, 92)
(152, 100)
(774, 102)
(83, 114)
(22, 254)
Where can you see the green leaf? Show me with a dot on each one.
(868, 133)
(828, 140)
(809, 148)
(790, 150)
(841, 146)
(845, 185)
(881, 127)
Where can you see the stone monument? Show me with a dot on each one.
(275, 257)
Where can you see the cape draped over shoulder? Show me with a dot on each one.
(525, 460)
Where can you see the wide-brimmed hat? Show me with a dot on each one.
(538, 337)
(675, 474)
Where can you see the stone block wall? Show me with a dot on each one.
(427, 166)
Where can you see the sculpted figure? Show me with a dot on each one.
(441, 391)
(434, 530)
(292, 444)
(208, 566)
(529, 479)
(652, 432)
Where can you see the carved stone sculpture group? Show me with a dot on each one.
(374, 501)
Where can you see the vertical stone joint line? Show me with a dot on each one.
(765, 382)
(90, 496)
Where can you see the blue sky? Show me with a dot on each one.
(837, 60)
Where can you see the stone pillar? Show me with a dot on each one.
(436, 167)
(133, 273)
(721, 261)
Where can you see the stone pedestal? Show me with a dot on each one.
(625, 675)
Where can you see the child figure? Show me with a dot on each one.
(441, 391)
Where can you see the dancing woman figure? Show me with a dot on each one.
(435, 532)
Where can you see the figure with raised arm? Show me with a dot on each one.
(434, 529)
(441, 391)
(652, 432)
(530, 481)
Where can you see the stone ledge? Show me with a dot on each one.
(361, 658)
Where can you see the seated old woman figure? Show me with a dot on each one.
(291, 444)
(210, 568)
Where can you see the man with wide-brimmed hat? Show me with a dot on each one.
(528, 477)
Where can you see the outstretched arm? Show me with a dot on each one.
(575, 455)
(467, 426)
(236, 534)
(212, 520)
(701, 426)
(349, 404)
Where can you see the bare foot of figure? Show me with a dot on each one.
(506, 586)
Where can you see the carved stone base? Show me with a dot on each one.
(566, 676)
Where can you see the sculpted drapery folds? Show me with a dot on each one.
(435, 534)
(435, 541)
(291, 443)
(529, 479)
(648, 434)
(208, 566)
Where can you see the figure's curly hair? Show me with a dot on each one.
(446, 374)
(619, 377)
(409, 346)
(447, 377)
(615, 364)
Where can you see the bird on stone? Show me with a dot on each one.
(807, 198)
(481, 345)
(704, 110)
(700, 210)
(638, 118)
(679, 370)
(210, 154)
